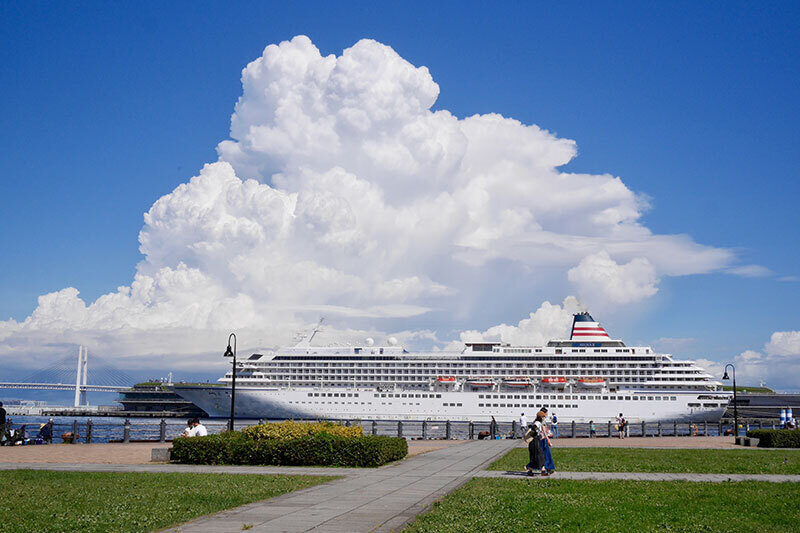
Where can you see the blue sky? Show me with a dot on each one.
(695, 105)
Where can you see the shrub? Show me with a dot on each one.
(322, 449)
(290, 429)
(776, 438)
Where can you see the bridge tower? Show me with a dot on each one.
(80, 378)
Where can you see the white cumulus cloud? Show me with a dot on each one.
(601, 281)
(778, 365)
(340, 192)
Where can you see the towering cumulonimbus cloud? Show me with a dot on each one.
(341, 192)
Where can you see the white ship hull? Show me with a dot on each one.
(370, 404)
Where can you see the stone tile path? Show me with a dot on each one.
(382, 499)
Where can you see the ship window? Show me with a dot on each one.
(403, 395)
(459, 405)
(502, 396)
(356, 395)
(709, 405)
(605, 397)
(560, 406)
(673, 398)
(634, 398)
(583, 397)
(480, 405)
(480, 396)
(438, 395)
(538, 396)
(516, 396)
(694, 405)
(627, 397)
(649, 397)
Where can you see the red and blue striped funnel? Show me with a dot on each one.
(584, 328)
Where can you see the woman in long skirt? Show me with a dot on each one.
(535, 455)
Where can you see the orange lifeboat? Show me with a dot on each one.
(446, 379)
(591, 382)
(555, 381)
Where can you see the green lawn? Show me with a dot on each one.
(507, 505)
(45, 501)
(753, 390)
(667, 460)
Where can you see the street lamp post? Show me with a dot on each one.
(735, 410)
(232, 353)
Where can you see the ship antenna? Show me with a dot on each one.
(317, 329)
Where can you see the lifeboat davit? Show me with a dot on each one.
(555, 381)
(481, 382)
(518, 381)
(446, 379)
(591, 382)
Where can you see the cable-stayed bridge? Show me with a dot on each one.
(65, 374)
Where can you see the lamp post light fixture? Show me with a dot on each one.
(735, 411)
(232, 353)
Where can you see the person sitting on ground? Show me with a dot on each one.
(199, 429)
(195, 429)
(188, 432)
(46, 433)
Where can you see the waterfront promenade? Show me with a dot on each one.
(380, 499)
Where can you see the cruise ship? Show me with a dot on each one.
(589, 376)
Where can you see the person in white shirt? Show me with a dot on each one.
(199, 429)
(195, 429)
(523, 424)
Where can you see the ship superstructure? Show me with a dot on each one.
(586, 377)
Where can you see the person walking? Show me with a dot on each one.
(621, 426)
(592, 429)
(2, 422)
(549, 465)
(523, 424)
(534, 437)
(555, 425)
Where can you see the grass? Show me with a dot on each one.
(753, 390)
(45, 501)
(491, 505)
(667, 460)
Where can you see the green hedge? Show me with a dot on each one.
(314, 450)
(776, 438)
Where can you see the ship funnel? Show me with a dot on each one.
(584, 328)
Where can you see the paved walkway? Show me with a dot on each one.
(381, 499)
(642, 476)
